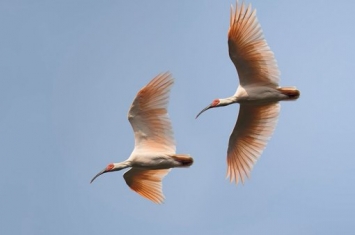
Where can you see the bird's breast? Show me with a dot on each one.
(259, 95)
(153, 161)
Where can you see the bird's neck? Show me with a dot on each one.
(228, 101)
(121, 165)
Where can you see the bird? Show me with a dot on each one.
(258, 92)
(154, 153)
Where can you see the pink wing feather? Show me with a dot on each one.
(254, 127)
(149, 117)
(147, 183)
(248, 50)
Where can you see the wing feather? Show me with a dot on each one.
(147, 183)
(149, 117)
(254, 127)
(249, 51)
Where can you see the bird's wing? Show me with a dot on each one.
(253, 129)
(248, 50)
(147, 183)
(149, 117)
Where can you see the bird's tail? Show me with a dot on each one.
(291, 92)
(184, 159)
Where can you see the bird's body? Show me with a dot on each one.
(154, 161)
(258, 92)
(154, 151)
(258, 95)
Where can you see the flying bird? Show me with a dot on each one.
(154, 151)
(258, 92)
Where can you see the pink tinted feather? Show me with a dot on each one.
(248, 49)
(149, 117)
(147, 183)
(254, 127)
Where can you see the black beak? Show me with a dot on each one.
(203, 110)
(98, 174)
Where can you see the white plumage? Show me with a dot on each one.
(258, 92)
(154, 151)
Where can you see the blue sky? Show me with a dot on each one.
(69, 71)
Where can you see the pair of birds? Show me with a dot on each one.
(258, 94)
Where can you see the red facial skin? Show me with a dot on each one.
(215, 102)
(109, 167)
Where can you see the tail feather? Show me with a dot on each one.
(291, 92)
(184, 159)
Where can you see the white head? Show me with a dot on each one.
(217, 103)
(112, 167)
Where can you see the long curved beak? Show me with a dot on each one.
(203, 110)
(98, 174)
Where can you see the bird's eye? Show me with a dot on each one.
(109, 167)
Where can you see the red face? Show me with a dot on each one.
(215, 102)
(109, 167)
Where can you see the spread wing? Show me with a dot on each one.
(248, 50)
(254, 127)
(149, 117)
(147, 183)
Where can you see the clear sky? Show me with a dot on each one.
(69, 71)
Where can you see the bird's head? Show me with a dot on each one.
(215, 103)
(110, 167)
